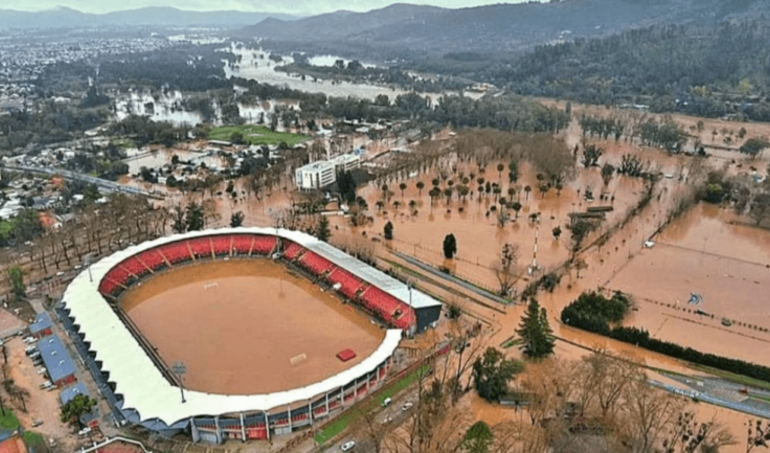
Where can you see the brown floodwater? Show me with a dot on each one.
(237, 324)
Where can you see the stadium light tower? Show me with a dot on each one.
(87, 259)
(180, 368)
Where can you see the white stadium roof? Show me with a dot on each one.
(142, 384)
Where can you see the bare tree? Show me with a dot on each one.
(505, 269)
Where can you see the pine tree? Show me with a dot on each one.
(388, 231)
(536, 334)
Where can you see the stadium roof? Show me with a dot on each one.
(56, 358)
(361, 270)
(42, 322)
(142, 384)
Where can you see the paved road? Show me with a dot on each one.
(102, 183)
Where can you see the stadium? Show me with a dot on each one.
(238, 333)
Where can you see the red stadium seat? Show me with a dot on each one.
(134, 267)
(221, 244)
(176, 252)
(315, 263)
(152, 259)
(263, 245)
(107, 286)
(242, 243)
(349, 284)
(292, 250)
(200, 247)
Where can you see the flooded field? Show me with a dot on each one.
(159, 157)
(237, 325)
(724, 266)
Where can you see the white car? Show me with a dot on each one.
(408, 405)
(347, 446)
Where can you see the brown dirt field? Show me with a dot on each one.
(237, 335)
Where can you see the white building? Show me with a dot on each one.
(322, 173)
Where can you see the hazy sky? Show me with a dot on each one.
(299, 7)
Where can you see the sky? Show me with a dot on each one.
(297, 7)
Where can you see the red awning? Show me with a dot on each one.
(346, 355)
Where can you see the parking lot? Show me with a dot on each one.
(43, 407)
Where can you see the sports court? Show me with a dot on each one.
(237, 325)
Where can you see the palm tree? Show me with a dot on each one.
(500, 168)
(420, 185)
(516, 207)
(448, 194)
(527, 189)
(435, 182)
(402, 186)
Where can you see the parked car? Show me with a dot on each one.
(349, 445)
(386, 402)
(29, 340)
(408, 405)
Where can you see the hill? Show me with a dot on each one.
(153, 16)
(493, 28)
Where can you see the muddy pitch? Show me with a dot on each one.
(237, 325)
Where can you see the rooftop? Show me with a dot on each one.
(71, 392)
(56, 358)
(42, 322)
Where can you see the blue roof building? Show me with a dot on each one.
(71, 392)
(58, 362)
(42, 325)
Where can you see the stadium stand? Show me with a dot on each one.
(200, 247)
(135, 267)
(176, 252)
(263, 245)
(315, 263)
(292, 250)
(107, 286)
(222, 244)
(152, 259)
(242, 244)
(349, 284)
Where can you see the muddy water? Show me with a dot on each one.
(237, 325)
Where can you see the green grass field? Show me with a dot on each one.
(343, 421)
(8, 421)
(256, 135)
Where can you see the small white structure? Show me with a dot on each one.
(322, 173)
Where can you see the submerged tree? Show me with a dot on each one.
(323, 232)
(505, 269)
(450, 246)
(388, 231)
(492, 372)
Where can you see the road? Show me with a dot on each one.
(390, 418)
(101, 183)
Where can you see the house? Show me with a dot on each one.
(58, 362)
(90, 419)
(13, 444)
(42, 326)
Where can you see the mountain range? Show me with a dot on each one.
(152, 16)
(492, 28)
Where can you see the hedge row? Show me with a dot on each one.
(587, 314)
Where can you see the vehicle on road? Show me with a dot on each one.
(386, 402)
(408, 405)
(347, 446)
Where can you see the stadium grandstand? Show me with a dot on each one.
(141, 390)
